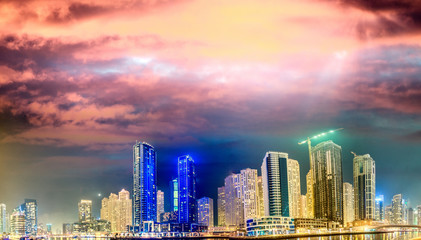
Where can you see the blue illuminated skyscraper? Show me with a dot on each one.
(187, 205)
(144, 183)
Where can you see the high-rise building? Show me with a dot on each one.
(3, 219)
(174, 194)
(260, 195)
(419, 214)
(410, 216)
(388, 214)
(221, 206)
(234, 205)
(144, 183)
(85, 211)
(117, 210)
(349, 210)
(328, 185)
(205, 211)
(303, 207)
(187, 205)
(17, 222)
(275, 184)
(160, 204)
(250, 193)
(310, 194)
(364, 187)
(380, 213)
(294, 188)
(397, 210)
(30, 210)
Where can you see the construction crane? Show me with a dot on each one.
(355, 155)
(308, 141)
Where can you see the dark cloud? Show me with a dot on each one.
(394, 17)
(415, 136)
(76, 11)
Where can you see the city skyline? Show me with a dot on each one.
(82, 81)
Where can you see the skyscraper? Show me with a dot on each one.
(221, 206)
(187, 205)
(410, 216)
(419, 214)
(234, 205)
(17, 222)
(160, 204)
(260, 195)
(205, 211)
(250, 193)
(174, 194)
(117, 210)
(275, 184)
(364, 187)
(349, 211)
(380, 213)
(303, 207)
(310, 194)
(294, 188)
(3, 219)
(144, 183)
(30, 211)
(328, 186)
(85, 210)
(397, 210)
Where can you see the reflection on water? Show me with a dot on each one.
(379, 236)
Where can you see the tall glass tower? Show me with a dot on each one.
(328, 182)
(144, 183)
(187, 205)
(275, 184)
(3, 219)
(364, 187)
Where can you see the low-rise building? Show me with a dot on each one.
(270, 225)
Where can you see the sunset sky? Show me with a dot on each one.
(224, 81)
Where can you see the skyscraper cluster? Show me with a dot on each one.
(117, 209)
(247, 200)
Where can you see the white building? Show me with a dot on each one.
(349, 211)
(294, 188)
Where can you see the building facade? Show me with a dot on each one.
(17, 222)
(205, 214)
(270, 226)
(3, 219)
(30, 210)
(174, 194)
(310, 194)
(328, 184)
(349, 211)
(250, 193)
(294, 188)
(275, 184)
(234, 205)
(260, 196)
(397, 215)
(160, 204)
(144, 183)
(364, 187)
(117, 210)
(221, 206)
(187, 205)
(85, 210)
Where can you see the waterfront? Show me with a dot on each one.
(345, 236)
